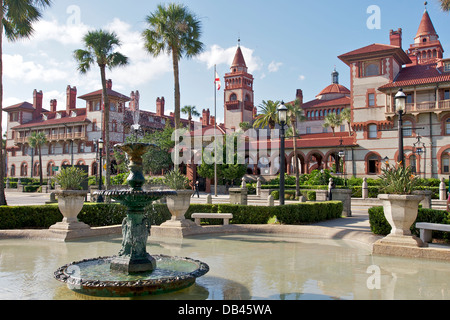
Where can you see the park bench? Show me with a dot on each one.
(426, 229)
(225, 216)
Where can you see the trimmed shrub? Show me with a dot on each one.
(379, 225)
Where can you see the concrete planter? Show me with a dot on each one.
(178, 205)
(401, 212)
(70, 203)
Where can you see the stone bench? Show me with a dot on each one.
(426, 229)
(225, 216)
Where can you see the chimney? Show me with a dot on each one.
(53, 104)
(205, 118)
(212, 120)
(71, 102)
(160, 106)
(299, 96)
(109, 84)
(37, 103)
(396, 37)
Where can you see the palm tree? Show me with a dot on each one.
(174, 30)
(17, 18)
(346, 115)
(36, 140)
(445, 5)
(100, 46)
(332, 120)
(268, 116)
(190, 111)
(296, 114)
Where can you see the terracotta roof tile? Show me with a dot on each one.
(335, 88)
(327, 103)
(418, 75)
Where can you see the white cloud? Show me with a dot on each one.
(27, 71)
(68, 33)
(301, 77)
(216, 55)
(274, 66)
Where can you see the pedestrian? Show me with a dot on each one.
(196, 190)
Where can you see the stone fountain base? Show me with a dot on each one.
(168, 231)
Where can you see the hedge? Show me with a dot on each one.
(102, 214)
(379, 225)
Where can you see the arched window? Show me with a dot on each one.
(371, 68)
(36, 169)
(445, 163)
(447, 126)
(233, 97)
(24, 170)
(50, 171)
(13, 170)
(373, 164)
(413, 163)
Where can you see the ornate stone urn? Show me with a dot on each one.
(401, 212)
(70, 203)
(178, 205)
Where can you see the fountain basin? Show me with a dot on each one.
(94, 277)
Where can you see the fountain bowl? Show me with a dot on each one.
(94, 277)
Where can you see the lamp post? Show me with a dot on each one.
(100, 151)
(400, 106)
(282, 118)
(420, 149)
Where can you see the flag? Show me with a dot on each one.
(217, 81)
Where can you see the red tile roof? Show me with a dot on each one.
(81, 117)
(239, 60)
(426, 26)
(418, 75)
(375, 50)
(335, 88)
(327, 103)
(109, 92)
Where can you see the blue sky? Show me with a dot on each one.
(287, 44)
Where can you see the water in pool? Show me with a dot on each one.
(242, 267)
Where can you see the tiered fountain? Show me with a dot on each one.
(133, 272)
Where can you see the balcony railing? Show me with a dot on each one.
(426, 106)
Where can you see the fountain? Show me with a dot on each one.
(133, 272)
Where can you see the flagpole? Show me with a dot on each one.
(215, 135)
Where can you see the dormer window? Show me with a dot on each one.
(371, 68)
(447, 66)
(73, 114)
(44, 117)
(58, 115)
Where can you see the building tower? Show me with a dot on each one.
(427, 47)
(238, 93)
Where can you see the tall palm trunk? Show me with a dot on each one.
(106, 128)
(41, 180)
(176, 75)
(2, 162)
(296, 169)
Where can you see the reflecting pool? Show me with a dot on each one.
(250, 266)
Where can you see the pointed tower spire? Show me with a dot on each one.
(426, 27)
(239, 64)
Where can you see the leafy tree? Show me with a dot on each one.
(332, 120)
(17, 18)
(445, 5)
(190, 111)
(174, 30)
(296, 114)
(37, 140)
(158, 157)
(268, 116)
(346, 115)
(100, 49)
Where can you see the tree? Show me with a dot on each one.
(332, 120)
(445, 5)
(190, 111)
(100, 46)
(346, 115)
(174, 30)
(36, 141)
(296, 114)
(17, 17)
(268, 116)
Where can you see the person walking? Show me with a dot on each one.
(196, 190)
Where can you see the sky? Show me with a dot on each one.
(287, 45)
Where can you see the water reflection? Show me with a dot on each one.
(242, 267)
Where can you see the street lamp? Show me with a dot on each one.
(400, 106)
(282, 118)
(420, 149)
(100, 151)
